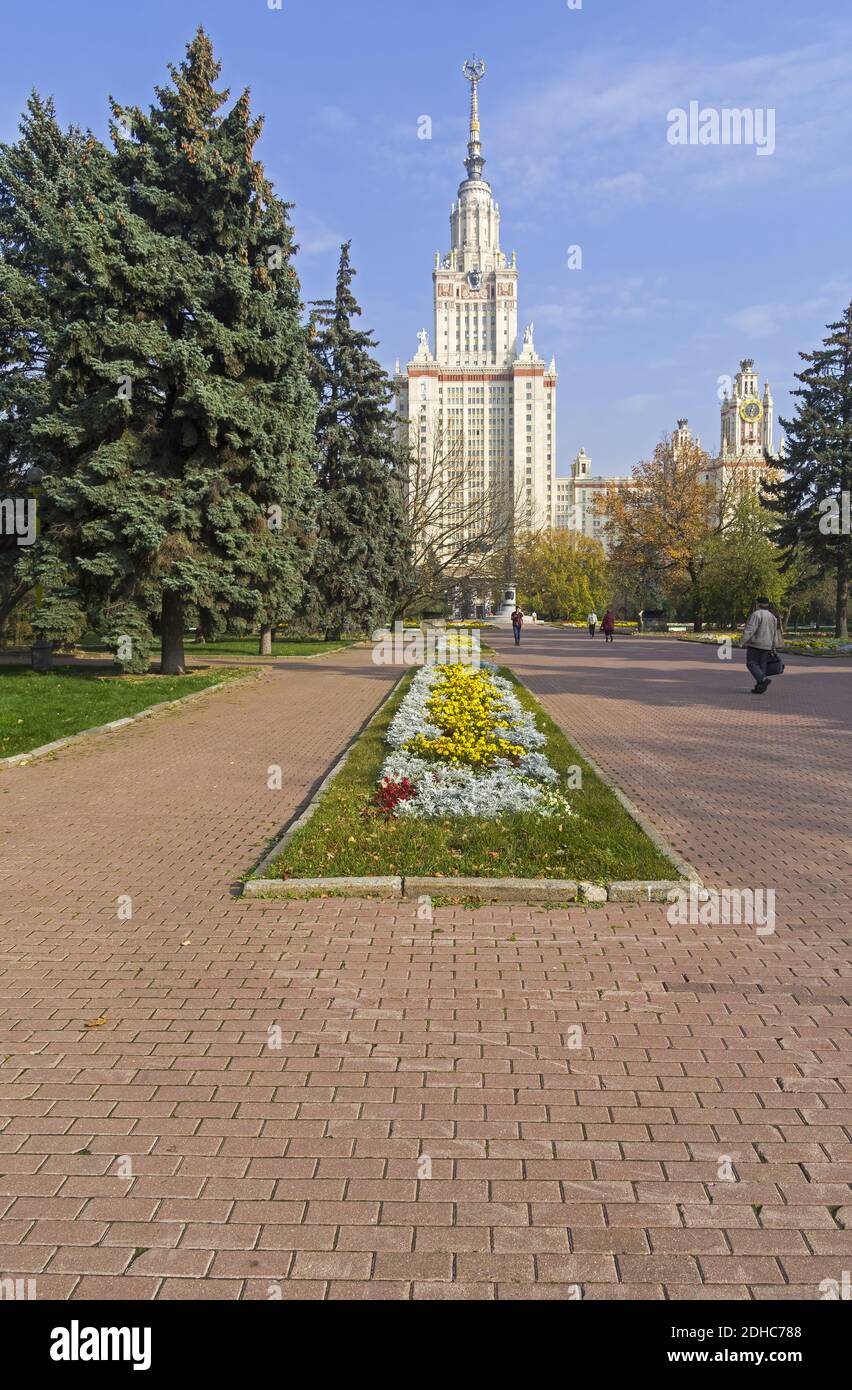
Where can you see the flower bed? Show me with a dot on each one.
(819, 646)
(463, 745)
(351, 833)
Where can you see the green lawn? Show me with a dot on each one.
(35, 710)
(599, 844)
(249, 646)
(243, 646)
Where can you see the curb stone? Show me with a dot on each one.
(782, 651)
(687, 870)
(503, 890)
(506, 890)
(511, 890)
(344, 887)
(643, 891)
(593, 893)
(309, 811)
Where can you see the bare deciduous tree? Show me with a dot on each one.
(462, 517)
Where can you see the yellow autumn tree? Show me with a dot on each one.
(660, 525)
(561, 574)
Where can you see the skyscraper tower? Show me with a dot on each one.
(747, 421)
(747, 456)
(489, 408)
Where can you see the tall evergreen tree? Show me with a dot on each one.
(235, 438)
(180, 414)
(39, 184)
(812, 501)
(361, 554)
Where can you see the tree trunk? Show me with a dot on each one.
(266, 640)
(8, 606)
(697, 604)
(171, 631)
(204, 629)
(842, 615)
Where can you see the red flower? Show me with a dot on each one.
(389, 795)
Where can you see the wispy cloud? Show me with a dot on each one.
(313, 236)
(767, 319)
(600, 305)
(615, 112)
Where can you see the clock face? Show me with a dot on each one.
(751, 410)
(474, 279)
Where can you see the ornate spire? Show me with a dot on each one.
(474, 71)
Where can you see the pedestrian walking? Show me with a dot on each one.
(593, 623)
(760, 639)
(608, 625)
(518, 624)
(777, 616)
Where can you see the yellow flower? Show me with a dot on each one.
(468, 710)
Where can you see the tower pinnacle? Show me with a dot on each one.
(474, 71)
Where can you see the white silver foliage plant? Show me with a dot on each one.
(444, 790)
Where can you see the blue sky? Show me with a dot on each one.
(693, 257)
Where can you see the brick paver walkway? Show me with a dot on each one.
(421, 1126)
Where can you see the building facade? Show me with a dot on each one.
(747, 454)
(746, 457)
(576, 500)
(480, 413)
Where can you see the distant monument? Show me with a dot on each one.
(503, 616)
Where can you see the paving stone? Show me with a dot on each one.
(551, 1167)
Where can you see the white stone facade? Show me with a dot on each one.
(746, 454)
(471, 395)
(576, 498)
(746, 457)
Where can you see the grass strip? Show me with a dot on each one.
(600, 843)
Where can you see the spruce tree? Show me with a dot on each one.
(39, 183)
(360, 558)
(812, 501)
(179, 415)
(234, 432)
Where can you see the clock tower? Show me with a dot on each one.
(475, 395)
(746, 457)
(747, 419)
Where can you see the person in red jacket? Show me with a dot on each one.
(608, 625)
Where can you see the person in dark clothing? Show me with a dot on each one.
(608, 625)
(760, 639)
(518, 625)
